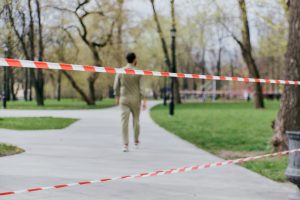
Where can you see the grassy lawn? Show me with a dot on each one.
(35, 123)
(6, 150)
(229, 130)
(64, 104)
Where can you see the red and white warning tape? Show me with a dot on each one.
(86, 68)
(155, 173)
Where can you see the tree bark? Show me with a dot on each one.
(165, 49)
(39, 84)
(37, 79)
(78, 89)
(162, 37)
(120, 24)
(288, 118)
(246, 48)
(59, 85)
(219, 63)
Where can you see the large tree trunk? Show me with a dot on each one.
(92, 90)
(37, 79)
(39, 85)
(288, 118)
(246, 48)
(94, 76)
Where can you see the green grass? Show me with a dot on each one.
(226, 127)
(271, 168)
(6, 150)
(35, 123)
(64, 104)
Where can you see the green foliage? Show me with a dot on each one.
(6, 150)
(35, 123)
(64, 104)
(219, 127)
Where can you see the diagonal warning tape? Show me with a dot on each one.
(155, 173)
(5, 62)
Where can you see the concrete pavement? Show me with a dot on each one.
(91, 149)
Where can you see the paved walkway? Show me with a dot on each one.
(91, 149)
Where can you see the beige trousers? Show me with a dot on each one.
(133, 108)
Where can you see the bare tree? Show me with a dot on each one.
(246, 48)
(162, 37)
(288, 118)
(26, 37)
(94, 46)
(164, 46)
(62, 42)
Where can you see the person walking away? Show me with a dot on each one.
(129, 92)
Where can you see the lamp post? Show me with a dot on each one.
(165, 87)
(173, 70)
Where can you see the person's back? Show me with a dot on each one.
(131, 88)
(129, 93)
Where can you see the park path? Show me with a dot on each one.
(91, 149)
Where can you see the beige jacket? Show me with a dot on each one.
(129, 87)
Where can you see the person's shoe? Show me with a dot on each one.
(137, 145)
(125, 148)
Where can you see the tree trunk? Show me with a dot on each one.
(92, 91)
(164, 48)
(246, 48)
(59, 86)
(219, 63)
(120, 24)
(40, 75)
(162, 37)
(288, 118)
(30, 83)
(12, 84)
(78, 89)
(25, 84)
(37, 79)
(94, 76)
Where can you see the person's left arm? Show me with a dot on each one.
(117, 88)
(143, 93)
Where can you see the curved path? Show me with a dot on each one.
(91, 149)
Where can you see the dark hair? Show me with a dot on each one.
(130, 57)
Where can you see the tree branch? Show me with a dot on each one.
(108, 38)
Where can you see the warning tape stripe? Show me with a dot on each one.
(5, 62)
(155, 173)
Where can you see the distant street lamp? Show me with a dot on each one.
(173, 70)
(165, 91)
